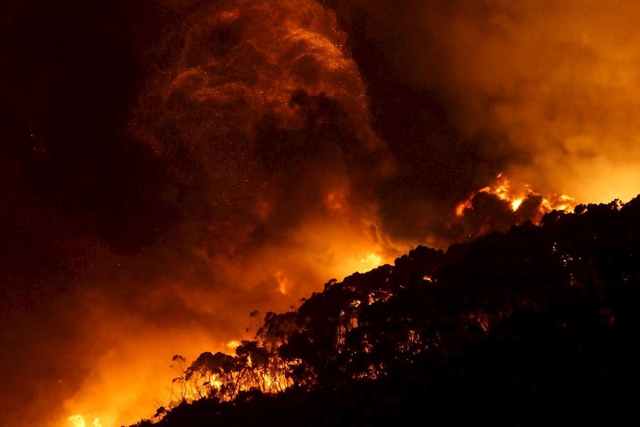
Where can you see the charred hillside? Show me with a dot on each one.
(516, 328)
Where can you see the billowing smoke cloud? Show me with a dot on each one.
(243, 176)
(171, 166)
(262, 117)
(545, 92)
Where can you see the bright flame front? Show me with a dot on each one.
(503, 189)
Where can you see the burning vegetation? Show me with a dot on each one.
(501, 205)
(511, 326)
(170, 165)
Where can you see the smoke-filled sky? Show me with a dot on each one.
(169, 166)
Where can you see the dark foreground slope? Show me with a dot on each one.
(536, 325)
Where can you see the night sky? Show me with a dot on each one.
(169, 166)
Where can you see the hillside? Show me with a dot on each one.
(510, 329)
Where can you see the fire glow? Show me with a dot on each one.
(280, 176)
(79, 421)
(503, 190)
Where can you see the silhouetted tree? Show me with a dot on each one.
(507, 329)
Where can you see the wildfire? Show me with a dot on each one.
(372, 261)
(79, 421)
(233, 344)
(504, 191)
(282, 283)
(561, 203)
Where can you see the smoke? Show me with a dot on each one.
(542, 91)
(261, 116)
(241, 177)
(171, 166)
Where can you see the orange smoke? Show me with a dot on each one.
(555, 83)
(262, 119)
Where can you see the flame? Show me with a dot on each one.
(371, 261)
(460, 209)
(233, 344)
(333, 247)
(215, 103)
(503, 190)
(561, 203)
(79, 421)
(132, 378)
(515, 203)
(272, 377)
(282, 282)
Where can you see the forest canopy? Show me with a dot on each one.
(508, 329)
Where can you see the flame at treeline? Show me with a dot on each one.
(504, 191)
(79, 421)
(502, 204)
(261, 116)
(174, 165)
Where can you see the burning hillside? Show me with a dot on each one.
(553, 300)
(169, 166)
(501, 205)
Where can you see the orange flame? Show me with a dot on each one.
(79, 421)
(282, 283)
(503, 190)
